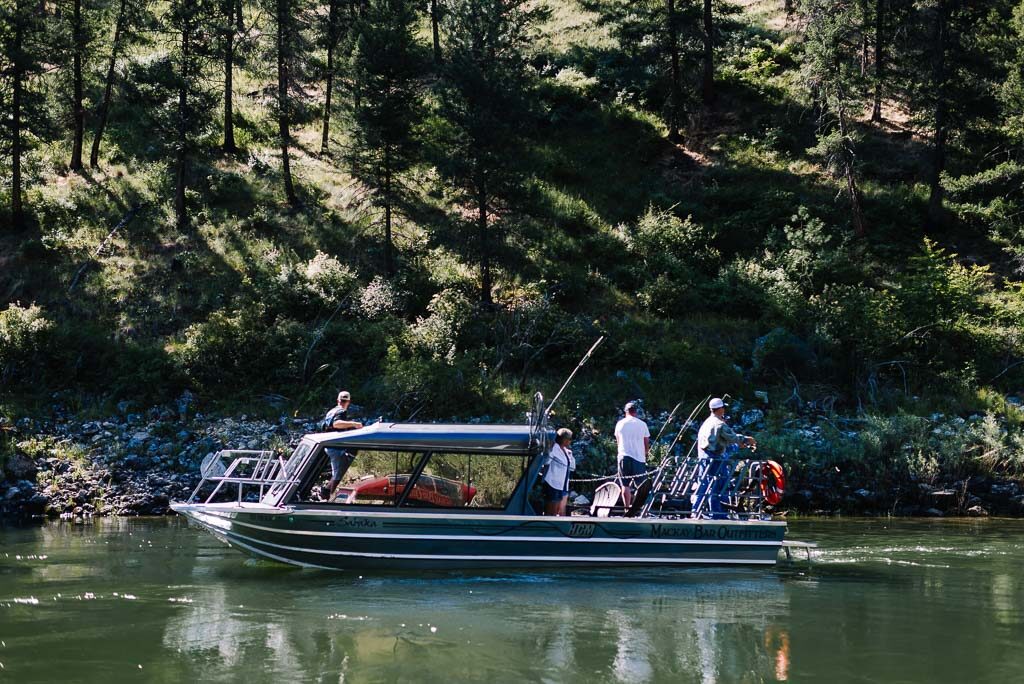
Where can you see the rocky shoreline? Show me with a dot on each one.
(137, 461)
(133, 463)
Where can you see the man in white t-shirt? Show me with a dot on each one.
(634, 440)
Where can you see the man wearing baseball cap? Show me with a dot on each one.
(712, 439)
(633, 439)
(337, 419)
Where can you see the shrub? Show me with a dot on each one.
(782, 351)
(378, 299)
(25, 342)
(438, 334)
(249, 347)
(327, 280)
(671, 256)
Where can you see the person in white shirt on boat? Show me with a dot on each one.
(713, 438)
(560, 463)
(634, 441)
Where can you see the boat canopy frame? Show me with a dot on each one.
(278, 484)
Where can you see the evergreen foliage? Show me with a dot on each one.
(386, 68)
(826, 204)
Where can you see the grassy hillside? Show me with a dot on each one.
(724, 263)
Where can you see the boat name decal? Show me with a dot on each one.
(356, 522)
(582, 530)
(710, 532)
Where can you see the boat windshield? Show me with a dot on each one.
(286, 479)
(381, 478)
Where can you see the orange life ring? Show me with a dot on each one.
(773, 482)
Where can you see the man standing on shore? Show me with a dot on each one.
(337, 419)
(634, 440)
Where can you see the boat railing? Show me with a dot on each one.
(250, 471)
(709, 488)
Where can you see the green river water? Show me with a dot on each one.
(153, 600)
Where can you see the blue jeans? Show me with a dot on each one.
(340, 461)
(709, 487)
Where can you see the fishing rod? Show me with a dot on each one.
(667, 422)
(583, 361)
(686, 424)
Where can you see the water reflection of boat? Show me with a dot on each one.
(448, 496)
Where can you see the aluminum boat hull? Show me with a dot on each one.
(344, 539)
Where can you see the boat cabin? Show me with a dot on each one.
(404, 465)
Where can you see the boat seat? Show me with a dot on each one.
(640, 498)
(605, 498)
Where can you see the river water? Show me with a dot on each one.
(153, 600)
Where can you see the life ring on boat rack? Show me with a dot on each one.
(773, 482)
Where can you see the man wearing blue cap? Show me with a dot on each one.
(713, 438)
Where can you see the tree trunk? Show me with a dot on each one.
(181, 157)
(332, 42)
(676, 92)
(389, 264)
(108, 87)
(856, 201)
(77, 110)
(18, 83)
(283, 60)
(708, 84)
(876, 109)
(435, 30)
(485, 257)
(353, 9)
(230, 7)
(864, 43)
(935, 197)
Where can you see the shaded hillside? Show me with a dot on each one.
(722, 262)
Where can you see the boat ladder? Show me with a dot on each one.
(248, 470)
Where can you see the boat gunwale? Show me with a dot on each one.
(292, 510)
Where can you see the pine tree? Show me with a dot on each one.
(1011, 93)
(484, 105)
(129, 18)
(435, 31)
(708, 56)
(833, 74)
(80, 39)
(228, 24)
(23, 50)
(387, 67)
(192, 22)
(949, 78)
(333, 36)
(288, 18)
(662, 41)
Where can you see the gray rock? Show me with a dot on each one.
(751, 417)
(1004, 489)
(933, 513)
(20, 467)
(977, 512)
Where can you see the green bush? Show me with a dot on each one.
(242, 350)
(780, 351)
(26, 336)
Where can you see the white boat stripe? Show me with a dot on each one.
(395, 513)
(282, 559)
(570, 559)
(473, 537)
